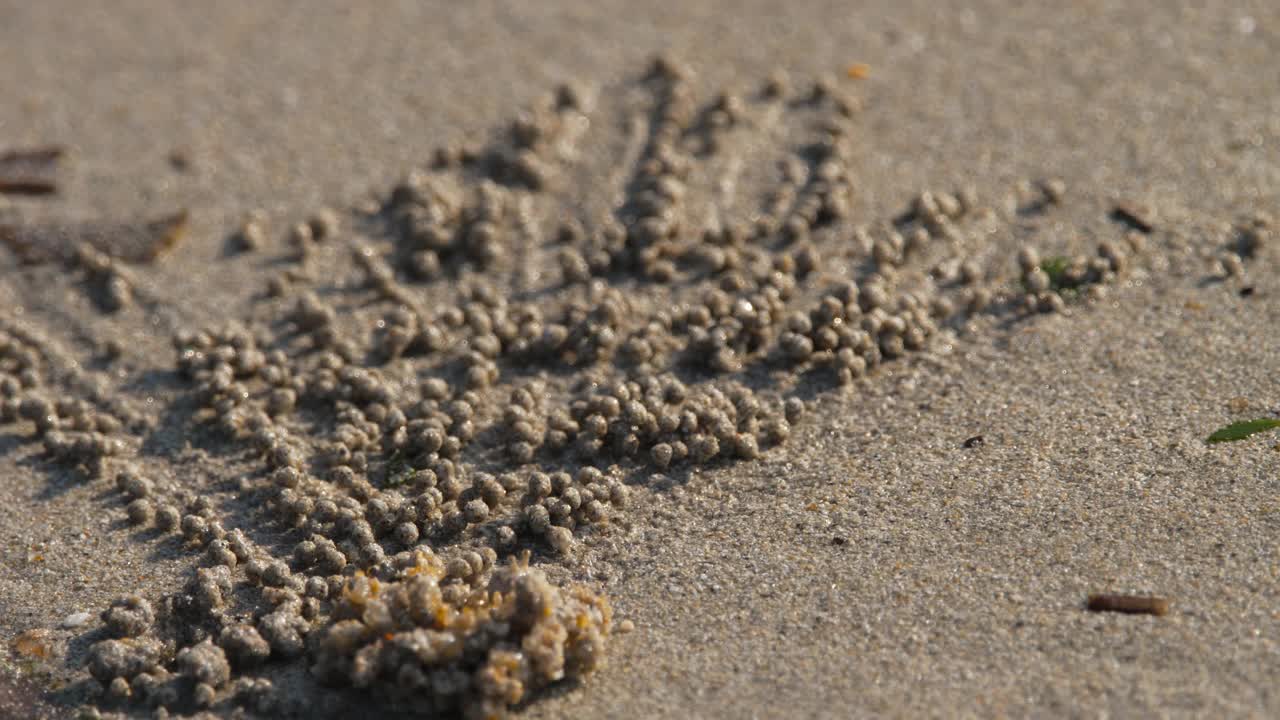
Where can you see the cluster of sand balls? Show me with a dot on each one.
(646, 242)
(443, 640)
(1046, 282)
(112, 280)
(1246, 241)
(439, 632)
(181, 654)
(415, 446)
(439, 227)
(73, 430)
(442, 222)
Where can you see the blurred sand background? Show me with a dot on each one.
(957, 586)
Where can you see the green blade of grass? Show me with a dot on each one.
(1243, 429)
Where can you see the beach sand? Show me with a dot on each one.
(870, 566)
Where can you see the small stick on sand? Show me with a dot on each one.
(26, 186)
(30, 171)
(1131, 604)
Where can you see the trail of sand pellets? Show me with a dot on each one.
(442, 396)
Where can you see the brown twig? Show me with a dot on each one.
(27, 186)
(29, 171)
(1131, 604)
